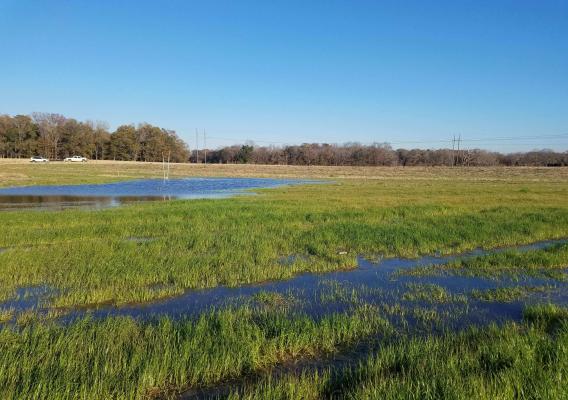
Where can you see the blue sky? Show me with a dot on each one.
(297, 71)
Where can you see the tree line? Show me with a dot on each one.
(55, 137)
(379, 154)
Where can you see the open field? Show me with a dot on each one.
(21, 172)
(88, 255)
(89, 259)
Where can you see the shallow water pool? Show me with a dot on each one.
(96, 196)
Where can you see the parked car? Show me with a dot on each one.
(36, 159)
(75, 159)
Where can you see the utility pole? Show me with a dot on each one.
(459, 140)
(197, 145)
(454, 151)
(204, 147)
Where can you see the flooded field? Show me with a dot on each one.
(465, 299)
(98, 196)
(356, 289)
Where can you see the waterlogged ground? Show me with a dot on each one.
(352, 315)
(411, 286)
(59, 197)
(430, 287)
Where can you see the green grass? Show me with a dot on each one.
(547, 263)
(120, 358)
(549, 317)
(430, 293)
(544, 263)
(206, 243)
(6, 314)
(88, 257)
(507, 294)
(510, 362)
(274, 299)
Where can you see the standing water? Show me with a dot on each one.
(97, 196)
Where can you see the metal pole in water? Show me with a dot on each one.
(163, 167)
(169, 153)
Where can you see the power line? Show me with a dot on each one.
(564, 135)
(453, 141)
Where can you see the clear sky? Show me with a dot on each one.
(297, 71)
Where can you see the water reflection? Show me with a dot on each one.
(55, 203)
(115, 194)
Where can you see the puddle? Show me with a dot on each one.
(319, 294)
(29, 298)
(97, 196)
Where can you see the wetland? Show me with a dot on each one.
(419, 284)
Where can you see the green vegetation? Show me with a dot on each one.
(6, 314)
(549, 317)
(57, 137)
(550, 262)
(121, 358)
(544, 263)
(507, 294)
(527, 361)
(430, 293)
(337, 292)
(274, 299)
(206, 243)
(88, 258)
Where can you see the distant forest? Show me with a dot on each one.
(378, 154)
(55, 137)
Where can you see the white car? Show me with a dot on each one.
(75, 159)
(35, 159)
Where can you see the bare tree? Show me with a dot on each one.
(50, 132)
